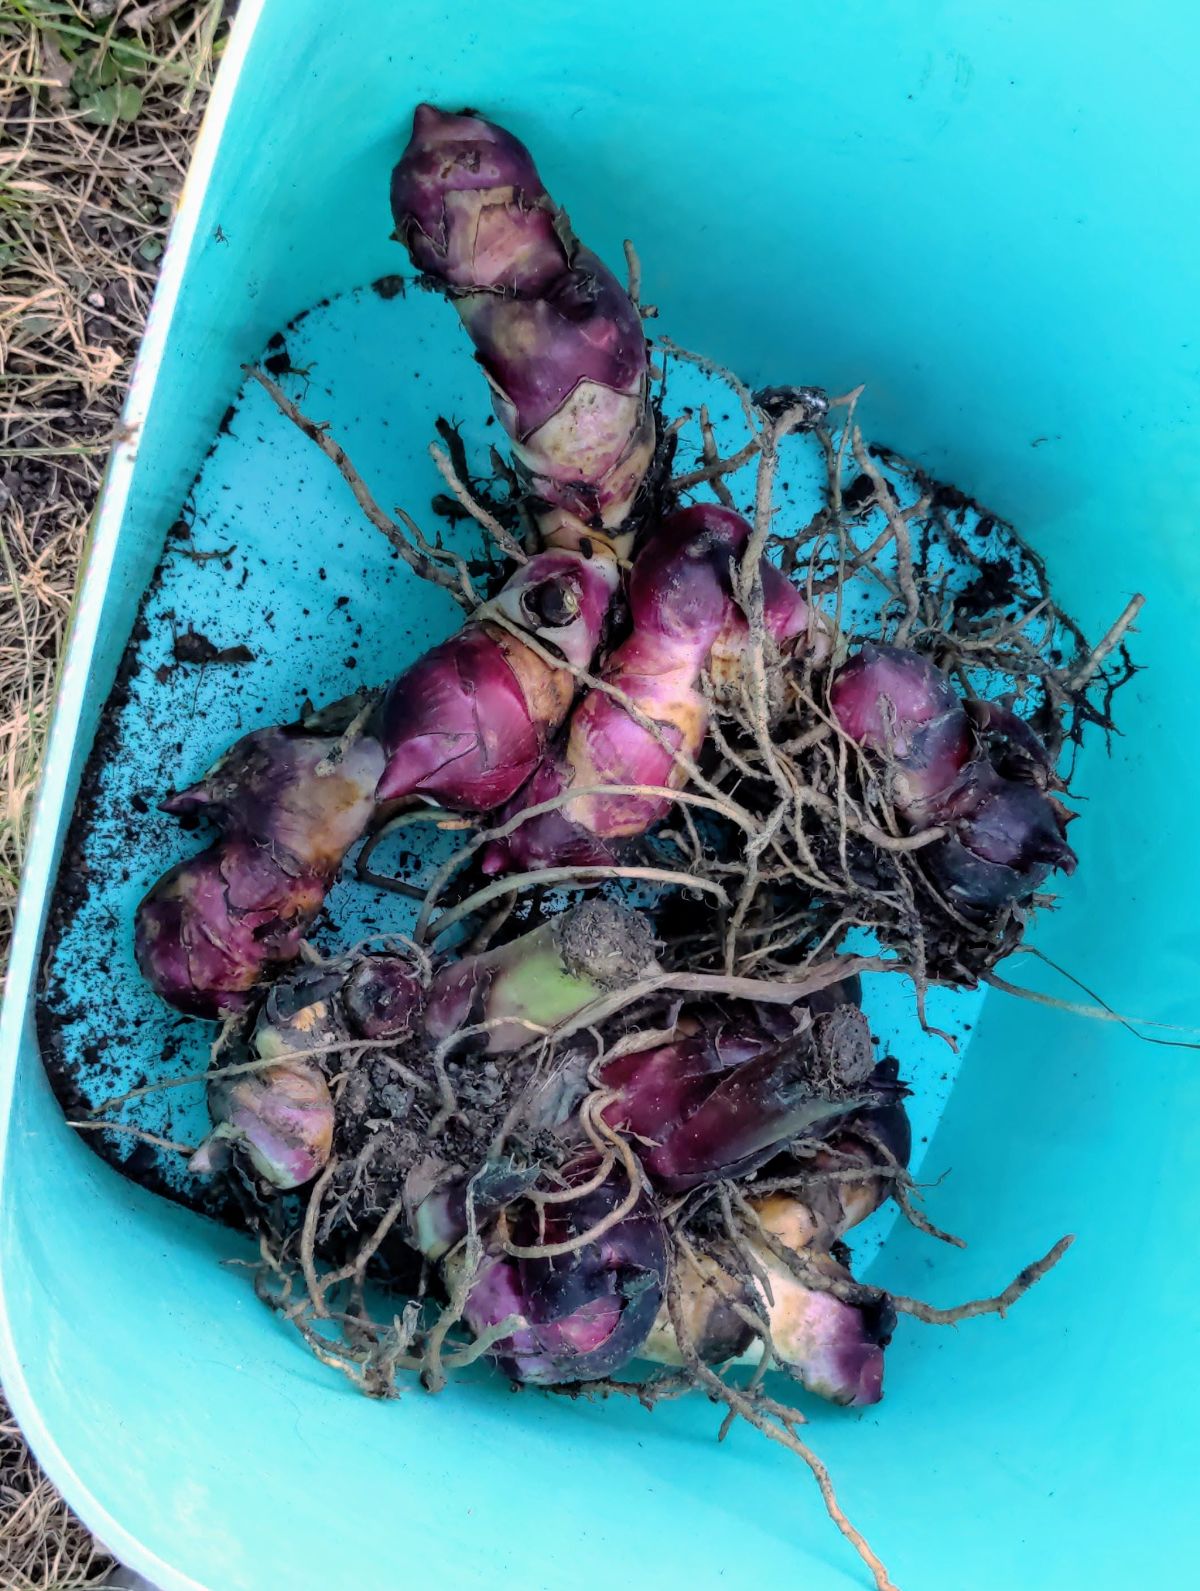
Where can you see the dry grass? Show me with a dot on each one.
(99, 104)
(43, 1547)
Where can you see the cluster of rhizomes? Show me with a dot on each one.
(603, 1151)
(603, 1168)
(493, 720)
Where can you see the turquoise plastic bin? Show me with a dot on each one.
(990, 214)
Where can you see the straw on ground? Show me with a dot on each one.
(99, 104)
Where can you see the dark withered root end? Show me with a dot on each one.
(843, 1054)
(812, 403)
(606, 943)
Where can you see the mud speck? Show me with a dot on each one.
(195, 647)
